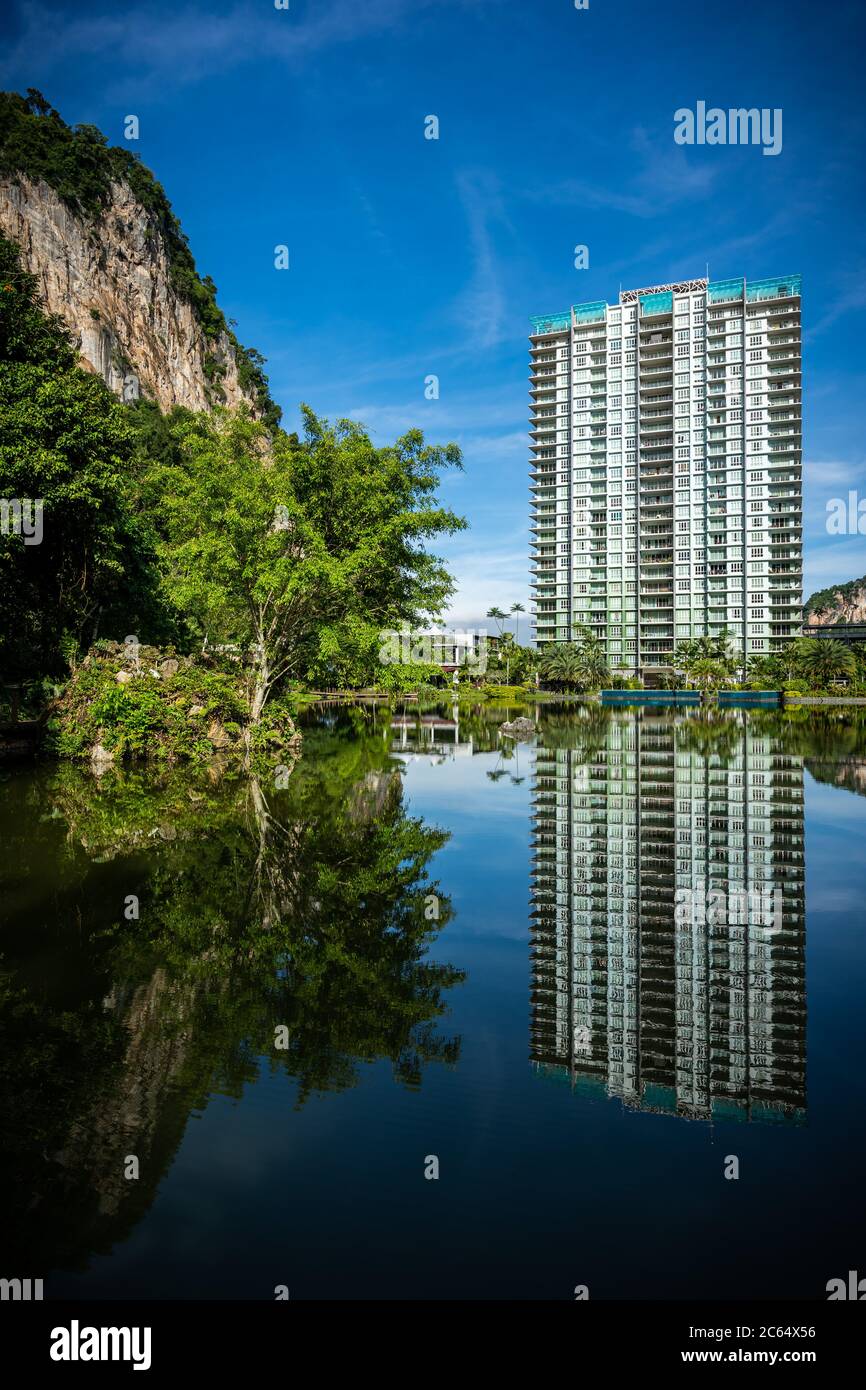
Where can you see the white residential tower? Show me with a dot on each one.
(666, 477)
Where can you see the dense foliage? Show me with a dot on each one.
(306, 557)
(203, 531)
(141, 703)
(811, 664)
(578, 666)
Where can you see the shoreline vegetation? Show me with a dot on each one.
(128, 702)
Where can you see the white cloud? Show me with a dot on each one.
(826, 473)
(481, 308)
(489, 574)
(665, 177)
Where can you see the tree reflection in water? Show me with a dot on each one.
(308, 908)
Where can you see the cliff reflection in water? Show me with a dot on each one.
(637, 992)
(307, 907)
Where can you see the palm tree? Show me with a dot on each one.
(507, 648)
(499, 617)
(769, 672)
(708, 673)
(593, 661)
(824, 660)
(712, 656)
(560, 664)
(581, 666)
(517, 609)
(594, 669)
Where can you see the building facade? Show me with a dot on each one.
(698, 1012)
(666, 471)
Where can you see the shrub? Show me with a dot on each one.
(188, 715)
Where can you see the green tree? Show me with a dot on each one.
(300, 554)
(708, 673)
(559, 664)
(593, 664)
(769, 672)
(706, 659)
(499, 616)
(823, 661)
(579, 665)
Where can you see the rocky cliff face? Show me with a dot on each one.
(846, 605)
(109, 280)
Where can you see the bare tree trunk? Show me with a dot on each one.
(257, 704)
(260, 693)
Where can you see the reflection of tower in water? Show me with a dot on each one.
(699, 1013)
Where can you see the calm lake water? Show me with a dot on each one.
(583, 972)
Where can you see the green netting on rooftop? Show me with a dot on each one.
(724, 289)
(777, 287)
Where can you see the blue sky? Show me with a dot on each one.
(411, 257)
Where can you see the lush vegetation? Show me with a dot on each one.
(812, 665)
(304, 561)
(808, 665)
(705, 663)
(135, 703)
(80, 165)
(575, 666)
(212, 534)
(66, 440)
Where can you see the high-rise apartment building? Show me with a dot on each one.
(641, 989)
(666, 477)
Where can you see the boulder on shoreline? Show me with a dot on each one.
(518, 728)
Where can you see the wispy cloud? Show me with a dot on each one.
(823, 473)
(371, 217)
(850, 297)
(481, 308)
(835, 563)
(488, 573)
(664, 177)
(183, 44)
(472, 414)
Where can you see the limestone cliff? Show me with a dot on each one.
(109, 280)
(98, 232)
(844, 603)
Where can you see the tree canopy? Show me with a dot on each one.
(301, 552)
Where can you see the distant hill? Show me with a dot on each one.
(842, 603)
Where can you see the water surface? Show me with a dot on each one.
(433, 942)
